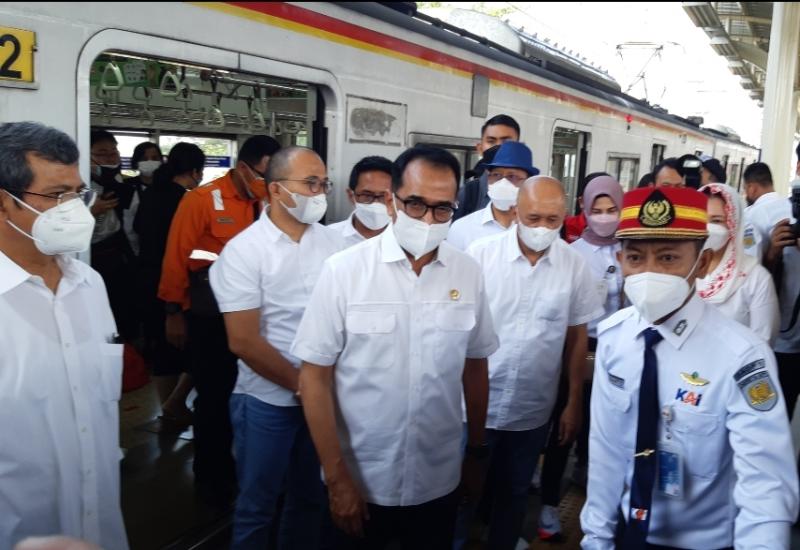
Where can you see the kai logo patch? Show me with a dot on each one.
(688, 397)
(759, 391)
(656, 211)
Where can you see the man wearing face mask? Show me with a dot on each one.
(207, 218)
(511, 165)
(690, 446)
(60, 368)
(262, 282)
(370, 180)
(395, 332)
(765, 208)
(541, 295)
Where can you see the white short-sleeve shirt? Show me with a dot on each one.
(477, 225)
(607, 275)
(262, 268)
(398, 342)
(60, 384)
(760, 219)
(532, 308)
(348, 231)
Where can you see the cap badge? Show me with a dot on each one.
(656, 211)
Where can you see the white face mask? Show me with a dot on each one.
(308, 209)
(503, 194)
(417, 237)
(537, 238)
(656, 295)
(374, 216)
(147, 167)
(717, 237)
(63, 229)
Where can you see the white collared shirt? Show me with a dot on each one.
(475, 226)
(398, 342)
(262, 268)
(760, 219)
(722, 405)
(607, 275)
(60, 384)
(532, 308)
(348, 231)
(106, 224)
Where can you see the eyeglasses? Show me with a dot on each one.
(88, 196)
(515, 179)
(417, 208)
(366, 197)
(315, 185)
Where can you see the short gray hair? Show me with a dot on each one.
(17, 139)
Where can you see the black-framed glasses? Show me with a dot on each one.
(417, 208)
(87, 195)
(315, 185)
(365, 197)
(513, 178)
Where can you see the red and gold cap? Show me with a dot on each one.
(663, 213)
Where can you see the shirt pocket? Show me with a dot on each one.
(702, 441)
(453, 330)
(371, 339)
(553, 308)
(110, 379)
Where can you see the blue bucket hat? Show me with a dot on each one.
(513, 154)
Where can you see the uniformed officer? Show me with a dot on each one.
(689, 446)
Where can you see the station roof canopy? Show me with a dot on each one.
(740, 32)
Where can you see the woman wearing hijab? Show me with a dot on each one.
(736, 283)
(602, 200)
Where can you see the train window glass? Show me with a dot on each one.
(657, 155)
(220, 153)
(568, 160)
(625, 168)
(462, 148)
(733, 175)
(725, 159)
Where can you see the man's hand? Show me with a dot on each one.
(570, 423)
(176, 330)
(348, 509)
(473, 475)
(780, 238)
(103, 204)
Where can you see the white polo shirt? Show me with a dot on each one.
(760, 219)
(532, 307)
(607, 275)
(348, 231)
(477, 225)
(398, 342)
(60, 383)
(262, 268)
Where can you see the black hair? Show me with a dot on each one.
(758, 173)
(18, 139)
(797, 152)
(279, 162)
(670, 162)
(582, 187)
(258, 147)
(100, 136)
(501, 120)
(646, 181)
(183, 158)
(369, 164)
(140, 150)
(431, 155)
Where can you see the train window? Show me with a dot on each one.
(625, 168)
(725, 159)
(657, 155)
(733, 176)
(568, 160)
(462, 148)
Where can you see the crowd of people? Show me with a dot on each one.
(401, 375)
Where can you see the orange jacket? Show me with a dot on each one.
(207, 218)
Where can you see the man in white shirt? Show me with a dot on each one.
(541, 296)
(370, 180)
(60, 369)
(511, 165)
(398, 328)
(765, 209)
(262, 282)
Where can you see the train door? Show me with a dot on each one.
(569, 158)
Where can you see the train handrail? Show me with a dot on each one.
(112, 69)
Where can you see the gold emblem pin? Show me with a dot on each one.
(455, 294)
(693, 379)
(656, 211)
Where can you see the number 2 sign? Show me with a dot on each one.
(16, 54)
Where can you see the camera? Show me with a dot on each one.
(691, 172)
(796, 208)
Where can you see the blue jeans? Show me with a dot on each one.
(512, 464)
(274, 452)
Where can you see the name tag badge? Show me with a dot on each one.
(670, 469)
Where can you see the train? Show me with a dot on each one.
(347, 79)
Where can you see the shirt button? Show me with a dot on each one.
(83, 430)
(88, 513)
(66, 344)
(74, 388)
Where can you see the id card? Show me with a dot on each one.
(670, 469)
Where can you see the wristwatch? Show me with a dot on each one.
(172, 308)
(478, 451)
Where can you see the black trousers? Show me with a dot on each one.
(113, 259)
(789, 376)
(214, 370)
(428, 526)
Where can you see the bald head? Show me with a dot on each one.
(54, 543)
(285, 161)
(542, 202)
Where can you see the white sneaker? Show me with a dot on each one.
(549, 523)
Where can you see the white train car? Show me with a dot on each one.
(349, 79)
